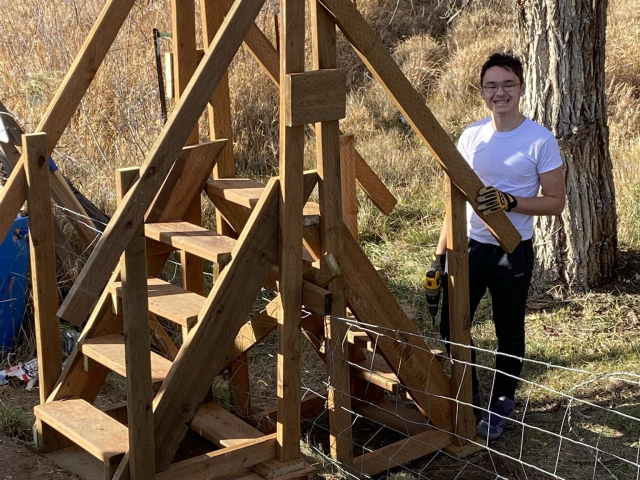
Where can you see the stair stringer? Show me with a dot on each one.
(206, 349)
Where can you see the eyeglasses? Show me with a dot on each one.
(506, 86)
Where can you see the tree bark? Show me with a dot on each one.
(562, 43)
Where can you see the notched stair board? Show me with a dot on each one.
(109, 351)
(193, 239)
(86, 426)
(377, 372)
(169, 301)
(241, 191)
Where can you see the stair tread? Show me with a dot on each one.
(193, 239)
(169, 301)
(241, 191)
(222, 427)
(109, 351)
(87, 426)
(377, 371)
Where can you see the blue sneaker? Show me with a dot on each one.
(493, 421)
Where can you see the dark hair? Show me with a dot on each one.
(506, 61)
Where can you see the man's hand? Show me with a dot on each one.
(433, 284)
(437, 265)
(491, 200)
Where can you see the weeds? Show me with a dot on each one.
(15, 422)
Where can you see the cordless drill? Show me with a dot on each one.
(433, 285)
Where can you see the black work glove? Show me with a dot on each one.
(491, 200)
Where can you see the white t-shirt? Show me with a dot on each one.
(511, 162)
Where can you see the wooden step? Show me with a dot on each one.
(222, 427)
(377, 371)
(193, 239)
(241, 191)
(360, 339)
(109, 351)
(86, 426)
(169, 301)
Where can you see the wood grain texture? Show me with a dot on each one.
(88, 427)
(129, 214)
(372, 302)
(201, 358)
(222, 462)
(402, 452)
(223, 428)
(290, 257)
(316, 96)
(133, 276)
(109, 351)
(43, 263)
(194, 239)
(348, 177)
(323, 35)
(412, 105)
(459, 314)
(219, 109)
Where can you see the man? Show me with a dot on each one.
(516, 158)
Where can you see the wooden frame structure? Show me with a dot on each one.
(264, 234)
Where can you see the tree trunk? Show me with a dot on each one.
(562, 43)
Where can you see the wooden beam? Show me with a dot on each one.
(91, 281)
(212, 14)
(323, 35)
(136, 338)
(43, 263)
(412, 105)
(323, 271)
(460, 322)
(267, 56)
(222, 462)
(290, 257)
(348, 177)
(228, 304)
(372, 302)
(316, 96)
(402, 452)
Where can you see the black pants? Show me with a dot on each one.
(507, 275)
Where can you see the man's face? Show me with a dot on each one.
(499, 101)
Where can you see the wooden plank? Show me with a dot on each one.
(161, 338)
(12, 196)
(95, 431)
(316, 96)
(393, 414)
(412, 105)
(323, 271)
(221, 427)
(240, 385)
(43, 263)
(323, 34)
(185, 182)
(242, 191)
(290, 257)
(312, 405)
(219, 109)
(183, 37)
(376, 371)
(169, 301)
(459, 314)
(348, 177)
(267, 56)
(222, 462)
(406, 353)
(192, 238)
(399, 453)
(91, 281)
(225, 311)
(109, 350)
(133, 273)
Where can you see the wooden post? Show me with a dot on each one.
(43, 263)
(348, 175)
(460, 323)
(137, 346)
(183, 25)
(330, 191)
(291, 200)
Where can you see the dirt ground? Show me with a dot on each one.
(21, 462)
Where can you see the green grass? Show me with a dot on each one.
(15, 422)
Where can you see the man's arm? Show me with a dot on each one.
(441, 249)
(553, 196)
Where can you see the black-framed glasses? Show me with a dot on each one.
(508, 87)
